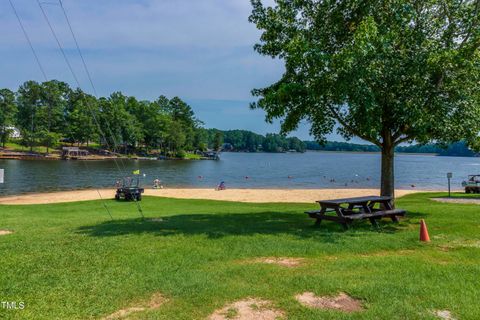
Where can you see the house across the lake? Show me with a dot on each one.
(14, 132)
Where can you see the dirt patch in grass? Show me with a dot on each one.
(443, 314)
(281, 261)
(458, 200)
(386, 253)
(342, 302)
(247, 309)
(156, 220)
(444, 248)
(5, 232)
(154, 303)
(459, 243)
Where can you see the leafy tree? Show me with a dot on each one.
(120, 127)
(236, 139)
(8, 110)
(48, 138)
(82, 109)
(253, 141)
(201, 139)
(50, 113)
(176, 136)
(152, 119)
(274, 143)
(218, 141)
(29, 101)
(28, 139)
(296, 144)
(386, 71)
(182, 113)
(53, 102)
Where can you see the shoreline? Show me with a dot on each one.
(236, 195)
(56, 157)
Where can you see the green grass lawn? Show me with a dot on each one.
(70, 261)
(192, 156)
(18, 147)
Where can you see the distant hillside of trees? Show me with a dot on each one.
(247, 141)
(341, 146)
(458, 149)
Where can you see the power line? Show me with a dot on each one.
(87, 71)
(115, 143)
(28, 40)
(78, 82)
(46, 79)
(59, 44)
(67, 61)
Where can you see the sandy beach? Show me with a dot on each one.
(240, 195)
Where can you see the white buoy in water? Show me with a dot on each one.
(2, 175)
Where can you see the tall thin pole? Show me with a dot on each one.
(449, 195)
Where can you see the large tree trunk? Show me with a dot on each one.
(388, 178)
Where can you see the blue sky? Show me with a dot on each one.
(199, 50)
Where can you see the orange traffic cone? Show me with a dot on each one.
(424, 232)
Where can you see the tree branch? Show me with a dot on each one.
(469, 32)
(344, 123)
(404, 139)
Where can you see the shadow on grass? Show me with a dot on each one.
(221, 225)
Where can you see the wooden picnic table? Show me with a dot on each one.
(346, 210)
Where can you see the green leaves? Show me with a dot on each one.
(50, 111)
(397, 68)
(8, 111)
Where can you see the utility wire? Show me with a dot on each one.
(67, 61)
(87, 71)
(78, 82)
(28, 40)
(115, 143)
(32, 48)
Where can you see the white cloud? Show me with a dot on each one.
(199, 49)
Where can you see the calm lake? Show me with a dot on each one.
(241, 170)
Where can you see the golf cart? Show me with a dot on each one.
(472, 185)
(129, 189)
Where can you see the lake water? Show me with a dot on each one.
(264, 170)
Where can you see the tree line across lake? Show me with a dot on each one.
(458, 149)
(51, 113)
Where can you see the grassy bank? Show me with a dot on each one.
(70, 261)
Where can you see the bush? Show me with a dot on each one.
(181, 154)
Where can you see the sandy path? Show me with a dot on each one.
(241, 195)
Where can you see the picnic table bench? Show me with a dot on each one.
(347, 210)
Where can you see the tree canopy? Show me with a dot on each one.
(386, 71)
(50, 111)
(8, 111)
